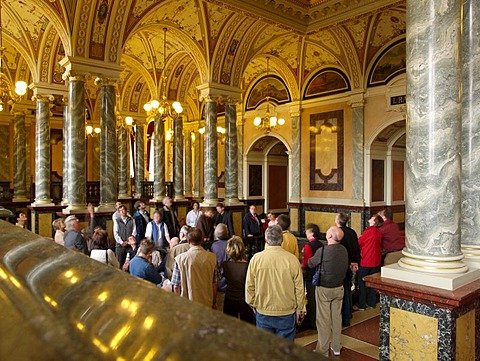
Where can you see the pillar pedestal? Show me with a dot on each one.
(426, 323)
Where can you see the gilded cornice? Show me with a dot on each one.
(307, 16)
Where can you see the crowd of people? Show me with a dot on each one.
(263, 277)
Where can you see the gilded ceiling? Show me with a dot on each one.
(222, 44)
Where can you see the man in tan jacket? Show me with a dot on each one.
(274, 287)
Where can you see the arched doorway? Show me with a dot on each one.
(266, 173)
(385, 169)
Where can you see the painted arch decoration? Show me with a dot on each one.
(273, 86)
(326, 82)
(390, 63)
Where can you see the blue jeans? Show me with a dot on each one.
(369, 295)
(283, 326)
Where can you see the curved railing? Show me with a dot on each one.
(56, 304)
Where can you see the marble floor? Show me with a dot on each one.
(360, 340)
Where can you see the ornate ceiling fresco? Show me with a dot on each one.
(220, 43)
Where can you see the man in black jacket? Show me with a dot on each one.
(224, 216)
(350, 242)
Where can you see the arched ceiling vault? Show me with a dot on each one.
(208, 41)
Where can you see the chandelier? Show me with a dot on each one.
(90, 130)
(269, 121)
(162, 107)
(6, 94)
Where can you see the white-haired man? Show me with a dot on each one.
(333, 262)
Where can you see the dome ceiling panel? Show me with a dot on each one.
(218, 16)
(183, 13)
(357, 31)
(225, 49)
(317, 57)
(326, 39)
(387, 26)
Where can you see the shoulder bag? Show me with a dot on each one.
(316, 275)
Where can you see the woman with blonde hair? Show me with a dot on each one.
(59, 228)
(235, 271)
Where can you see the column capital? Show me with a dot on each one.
(357, 100)
(75, 66)
(103, 80)
(295, 111)
(46, 98)
(219, 92)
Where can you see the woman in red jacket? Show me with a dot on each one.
(371, 260)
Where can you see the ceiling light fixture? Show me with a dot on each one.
(162, 106)
(269, 121)
(7, 96)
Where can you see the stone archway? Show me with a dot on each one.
(267, 173)
(385, 166)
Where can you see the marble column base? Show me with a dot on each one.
(432, 264)
(64, 202)
(209, 202)
(137, 195)
(443, 281)
(232, 202)
(106, 207)
(124, 196)
(43, 203)
(426, 323)
(471, 252)
(179, 198)
(75, 208)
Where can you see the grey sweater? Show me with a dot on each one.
(334, 265)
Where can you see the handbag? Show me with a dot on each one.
(316, 275)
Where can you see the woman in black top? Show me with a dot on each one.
(235, 271)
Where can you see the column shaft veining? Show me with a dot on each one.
(178, 159)
(76, 150)
(159, 159)
(231, 156)
(240, 141)
(357, 152)
(210, 178)
(123, 160)
(188, 164)
(295, 157)
(65, 157)
(433, 177)
(471, 130)
(108, 149)
(196, 165)
(19, 157)
(42, 153)
(139, 159)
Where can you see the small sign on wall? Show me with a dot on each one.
(398, 100)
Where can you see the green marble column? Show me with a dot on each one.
(76, 150)
(65, 157)
(123, 139)
(210, 176)
(139, 158)
(42, 154)
(178, 159)
(231, 158)
(188, 164)
(19, 158)
(108, 150)
(159, 160)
